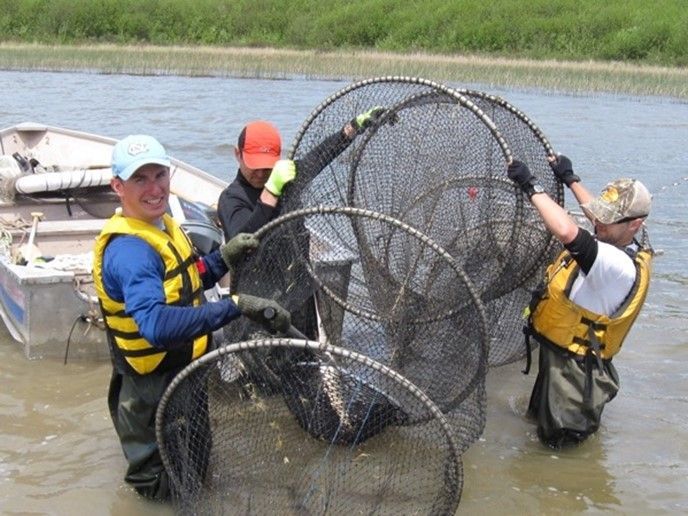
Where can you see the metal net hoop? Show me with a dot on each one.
(491, 103)
(339, 470)
(338, 109)
(404, 301)
(424, 198)
(354, 213)
(513, 123)
(529, 144)
(413, 85)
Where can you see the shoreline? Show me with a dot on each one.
(272, 63)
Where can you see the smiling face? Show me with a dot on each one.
(145, 194)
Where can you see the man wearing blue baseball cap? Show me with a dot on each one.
(150, 285)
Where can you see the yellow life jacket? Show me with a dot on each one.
(558, 320)
(182, 284)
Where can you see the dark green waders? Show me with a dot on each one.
(569, 396)
(133, 401)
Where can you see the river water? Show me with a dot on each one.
(58, 450)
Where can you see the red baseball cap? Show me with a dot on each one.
(260, 145)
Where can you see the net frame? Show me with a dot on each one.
(448, 495)
(502, 312)
(447, 96)
(478, 102)
(498, 303)
(552, 185)
(472, 301)
(370, 214)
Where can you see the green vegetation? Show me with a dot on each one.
(346, 65)
(639, 31)
(619, 46)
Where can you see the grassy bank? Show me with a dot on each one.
(639, 31)
(347, 65)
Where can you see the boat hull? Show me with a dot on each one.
(41, 310)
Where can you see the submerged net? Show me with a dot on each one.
(339, 434)
(380, 288)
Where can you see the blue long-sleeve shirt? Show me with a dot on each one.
(133, 273)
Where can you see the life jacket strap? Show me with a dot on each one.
(529, 349)
(593, 352)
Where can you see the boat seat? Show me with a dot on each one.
(56, 227)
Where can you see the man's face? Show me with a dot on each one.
(619, 234)
(256, 177)
(145, 194)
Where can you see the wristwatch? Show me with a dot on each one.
(534, 188)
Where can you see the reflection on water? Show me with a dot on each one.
(58, 450)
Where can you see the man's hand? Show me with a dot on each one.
(365, 120)
(520, 174)
(264, 311)
(361, 122)
(563, 170)
(283, 173)
(233, 250)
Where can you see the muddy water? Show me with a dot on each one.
(58, 450)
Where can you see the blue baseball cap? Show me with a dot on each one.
(135, 151)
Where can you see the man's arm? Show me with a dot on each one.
(319, 157)
(580, 243)
(310, 165)
(563, 170)
(324, 153)
(238, 214)
(212, 268)
(556, 219)
(133, 272)
(581, 193)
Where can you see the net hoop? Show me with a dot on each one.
(212, 357)
(432, 86)
(360, 212)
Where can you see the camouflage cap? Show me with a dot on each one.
(621, 199)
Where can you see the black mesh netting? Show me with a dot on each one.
(369, 283)
(339, 434)
(437, 161)
(406, 258)
(529, 144)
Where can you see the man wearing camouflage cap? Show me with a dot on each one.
(590, 297)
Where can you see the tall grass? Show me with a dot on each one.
(640, 31)
(347, 65)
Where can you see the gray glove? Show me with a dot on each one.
(264, 311)
(237, 247)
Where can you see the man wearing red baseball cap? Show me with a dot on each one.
(252, 199)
